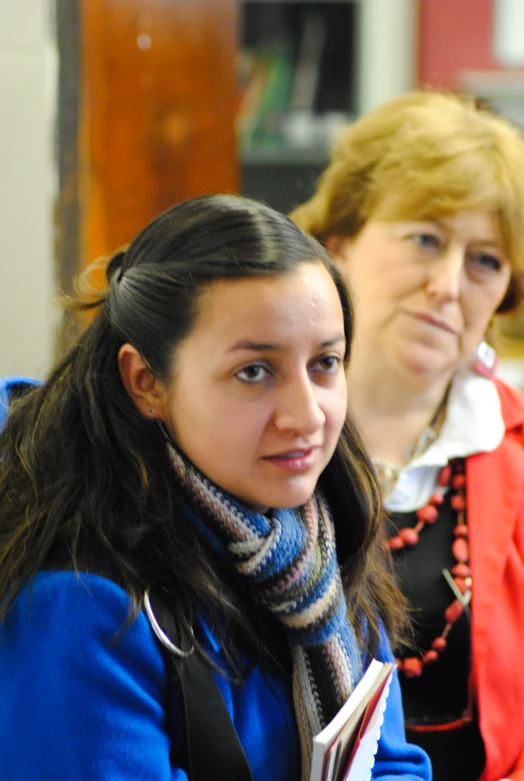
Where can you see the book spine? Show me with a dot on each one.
(268, 129)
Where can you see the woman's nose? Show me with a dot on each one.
(445, 276)
(298, 408)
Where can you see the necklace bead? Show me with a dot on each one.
(461, 571)
(444, 475)
(409, 537)
(428, 514)
(439, 643)
(458, 481)
(460, 550)
(458, 502)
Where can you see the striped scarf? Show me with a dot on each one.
(289, 564)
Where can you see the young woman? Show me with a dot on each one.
(422, 207)
(193, 446)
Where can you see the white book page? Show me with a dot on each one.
(364, 757)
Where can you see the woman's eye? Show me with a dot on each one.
(426, 240)
(485, 261)
(255, 372)
(329, 364)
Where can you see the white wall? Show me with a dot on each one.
(387, 54)
(27, 99)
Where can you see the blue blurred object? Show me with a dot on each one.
(11, 388)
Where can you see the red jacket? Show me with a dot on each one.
(495, 497)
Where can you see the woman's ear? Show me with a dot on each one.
(338, 247)
(146, 391)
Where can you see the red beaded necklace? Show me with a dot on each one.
(452, 474)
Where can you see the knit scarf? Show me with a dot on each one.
(289, 565)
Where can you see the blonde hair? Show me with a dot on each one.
(424, 155)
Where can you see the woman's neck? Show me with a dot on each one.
(392, 413)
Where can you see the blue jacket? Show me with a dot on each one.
(78, 700)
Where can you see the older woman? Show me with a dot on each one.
(422, 206)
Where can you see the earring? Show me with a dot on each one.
(164, 431)
(486, 361)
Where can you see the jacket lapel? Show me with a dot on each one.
(495, 491)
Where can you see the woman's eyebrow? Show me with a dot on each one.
(248, 344)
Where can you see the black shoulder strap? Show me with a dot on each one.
(213, 747)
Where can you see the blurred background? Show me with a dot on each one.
(112, 110)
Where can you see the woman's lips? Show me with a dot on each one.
(437, 322)
(299, 460)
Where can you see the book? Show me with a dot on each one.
(255, 66)
(345, 749)
(307, 70)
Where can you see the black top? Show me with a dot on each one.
(439, 696)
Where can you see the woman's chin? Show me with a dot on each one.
(426, 363)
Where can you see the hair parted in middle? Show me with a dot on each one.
(155, 285)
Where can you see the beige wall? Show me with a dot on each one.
(27, 100)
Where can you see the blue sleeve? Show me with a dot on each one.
(77, 700)
(6, 386)
(395, 756)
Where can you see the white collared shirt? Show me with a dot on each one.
(473, 424)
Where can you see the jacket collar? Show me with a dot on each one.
(511, 403)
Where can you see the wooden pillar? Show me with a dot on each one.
(158, 86)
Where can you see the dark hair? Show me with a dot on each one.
(86, 481)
